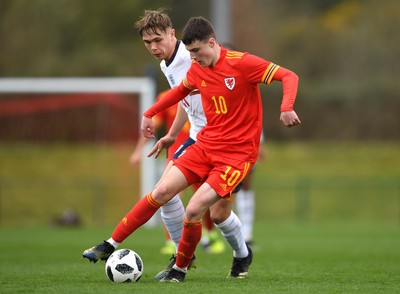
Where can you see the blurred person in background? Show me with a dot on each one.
(246, 201)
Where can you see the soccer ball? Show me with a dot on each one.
(124, 266)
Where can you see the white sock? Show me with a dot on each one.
(232, 232)
(173, 214)
(245, 205)
(114, 243)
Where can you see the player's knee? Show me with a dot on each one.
(161, 194)
(192, 214)
(216, 219)
(220, 215)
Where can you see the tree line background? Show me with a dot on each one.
(345, 53)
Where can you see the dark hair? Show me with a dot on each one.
(153, 21)
(197, 29)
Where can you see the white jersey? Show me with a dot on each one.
(175, 71)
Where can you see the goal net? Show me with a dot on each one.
(41, 94)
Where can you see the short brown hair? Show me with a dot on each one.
(153, 21)
(197, 29)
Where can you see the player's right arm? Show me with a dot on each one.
(170, 98)
(169, 139)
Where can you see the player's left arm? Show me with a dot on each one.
(259, 70)
(290, 83)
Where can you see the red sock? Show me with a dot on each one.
(208, 223)
(191, 236)
(138, 216)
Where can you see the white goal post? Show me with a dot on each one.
(144, 86)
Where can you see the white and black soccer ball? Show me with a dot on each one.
(124, 266)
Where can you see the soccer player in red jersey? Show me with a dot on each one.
(226, 148)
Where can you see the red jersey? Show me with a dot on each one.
(232, 101)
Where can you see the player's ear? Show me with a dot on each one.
(212, 42)
(172, 33)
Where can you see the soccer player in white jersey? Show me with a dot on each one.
(156, 30)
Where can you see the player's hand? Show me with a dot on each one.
(164, 143)
(147, 127)
(290, 119)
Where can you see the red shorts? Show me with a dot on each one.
(223, 174)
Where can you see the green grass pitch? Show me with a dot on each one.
(287, 259)
(327, 221)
